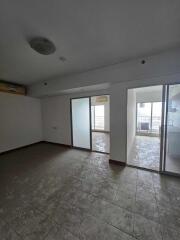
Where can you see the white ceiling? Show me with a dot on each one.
(89, 34)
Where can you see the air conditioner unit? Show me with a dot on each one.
(12, 88)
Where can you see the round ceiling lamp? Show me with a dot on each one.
(42, 45)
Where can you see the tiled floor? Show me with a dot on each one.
(145, 152)
(101, 142)
(53, 193)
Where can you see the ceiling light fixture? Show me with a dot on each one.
(42, 45)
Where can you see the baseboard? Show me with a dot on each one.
(142, 168)
(117, 162)
(100, 152)
(100, 131)
(25, 146)
(59, 144)
(82, 149)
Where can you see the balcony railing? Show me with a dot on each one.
(98, 123)
(148, 124)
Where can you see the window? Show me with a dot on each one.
(149, 117)
(97, 116)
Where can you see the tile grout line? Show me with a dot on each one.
(157, 208)
(135, 202)
(88, 213)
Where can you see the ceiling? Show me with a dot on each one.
(89, 34)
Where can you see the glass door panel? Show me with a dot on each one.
(172, 146)
(81, 125)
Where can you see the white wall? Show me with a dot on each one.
(20, 121)
(56, 113)
(159, 69)
(56, 119)
(159, 65)
(56, 116)
(131, 120)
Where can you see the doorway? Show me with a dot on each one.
(153, 128)
(90, 123)
(81, 123)
(100, 123)
(144, 111)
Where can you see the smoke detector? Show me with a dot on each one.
(42, 45)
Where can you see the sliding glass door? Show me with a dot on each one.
(172, 130)
(81, 122)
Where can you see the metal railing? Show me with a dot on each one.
(98, 123)
(148, 124)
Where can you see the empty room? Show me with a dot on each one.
(90, 120)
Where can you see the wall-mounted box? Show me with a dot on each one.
(12, 88)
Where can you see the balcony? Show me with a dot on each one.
(148, 125)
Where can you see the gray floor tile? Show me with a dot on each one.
(69, 218)
(169, 217)
(7, 233)
(59, 233)
(55, 192)
(124, 199)
(145, 229)
(84, 201)
(147, 208)
(31, 224)
(114, 215)
(162, 197)
(170, 233)
(93, 229)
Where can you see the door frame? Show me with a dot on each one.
(160, 159)
(71, 123)
(163, 126)
(164, 137)
(90, 132)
